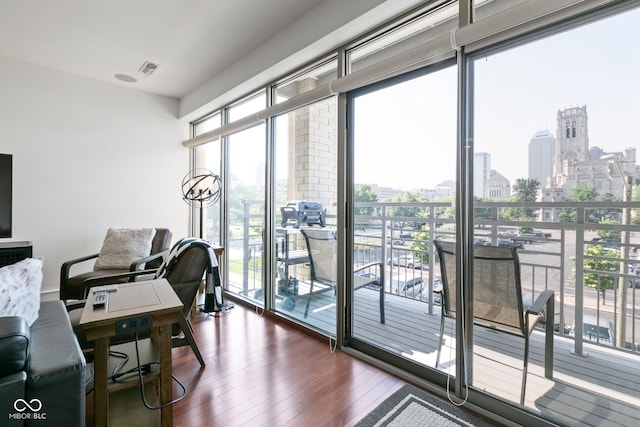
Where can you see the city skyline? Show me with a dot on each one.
(405, 134)
(517, 93)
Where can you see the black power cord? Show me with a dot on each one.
(144, 400)
(140, 369)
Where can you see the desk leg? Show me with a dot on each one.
(166, 392)
(100, 393)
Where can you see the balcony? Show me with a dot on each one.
(596, 374)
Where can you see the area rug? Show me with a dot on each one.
(410, 406)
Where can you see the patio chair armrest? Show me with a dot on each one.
(539, 304)
(546, 301)
(364, 267)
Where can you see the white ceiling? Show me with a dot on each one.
(190, 40)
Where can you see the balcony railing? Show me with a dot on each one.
(553, 255)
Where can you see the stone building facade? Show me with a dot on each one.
(313, 152)
(577, 164)
(497, 187)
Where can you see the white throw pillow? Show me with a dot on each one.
(20, 285)
(122, 246)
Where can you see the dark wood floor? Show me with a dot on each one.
(263, 372)
(260, 372)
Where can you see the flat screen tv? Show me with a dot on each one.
(5, 194)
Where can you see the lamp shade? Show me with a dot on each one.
(201, 187)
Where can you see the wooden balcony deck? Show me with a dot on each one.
(599, 389)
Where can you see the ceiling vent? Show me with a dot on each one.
(147, 68)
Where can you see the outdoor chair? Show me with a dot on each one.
(497, 298)
(322, 249)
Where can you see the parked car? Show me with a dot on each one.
(406, 260)
(609, 250)
(601, 331)
(411, 288)
(527, 238)
(510, 243)
(437, 292)
(541, 234)
(375, 277)
(601, 240)
(482, 241)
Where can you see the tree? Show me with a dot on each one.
(608, 213)
(422, 242)
(448, 212)
(602, 281)
(526, 190)
(482, 212)
(363, 193)
(408, 211)
(242, 194)
(609, 234)
(581, 193)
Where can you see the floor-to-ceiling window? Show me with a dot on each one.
(245, 201)
(555, 165)
(208, 157)
(305, 202)
(567, 98)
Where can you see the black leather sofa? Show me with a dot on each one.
(42, 370)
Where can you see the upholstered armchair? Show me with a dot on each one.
(124, 250)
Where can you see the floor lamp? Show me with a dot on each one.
(200, 189)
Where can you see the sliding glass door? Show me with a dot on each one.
(403, 140)
(555, 171)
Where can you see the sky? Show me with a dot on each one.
(411, 141)
(405, 135)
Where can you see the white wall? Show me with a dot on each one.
(87, 156)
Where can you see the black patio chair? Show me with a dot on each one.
(322, 249)
(497, 298)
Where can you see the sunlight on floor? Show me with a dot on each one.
(326, 307)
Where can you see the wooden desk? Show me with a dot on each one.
(131, 300)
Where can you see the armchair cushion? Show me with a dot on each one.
(122, 246)
(20, 285)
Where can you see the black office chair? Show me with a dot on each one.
(184, 268)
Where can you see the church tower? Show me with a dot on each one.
(572, 144)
